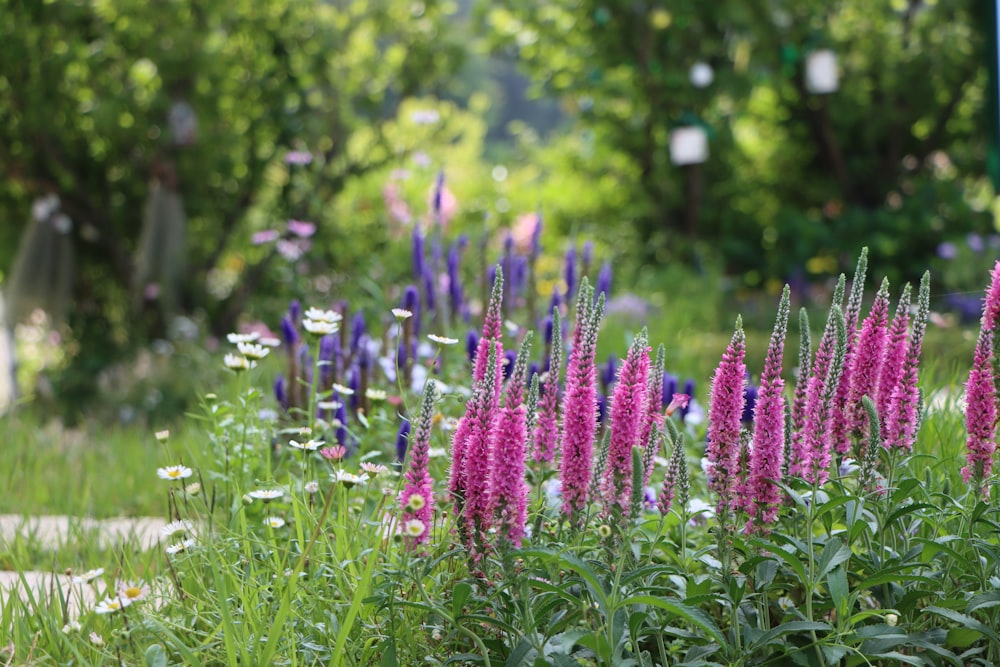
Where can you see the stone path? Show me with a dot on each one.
(53, 532)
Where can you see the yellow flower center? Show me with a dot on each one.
(132, 592)
(174, 473)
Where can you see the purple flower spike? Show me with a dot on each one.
(609, 372)
(669, 387)
(402, 439)
(358, 328)
(472, 345)
(289, 336)
(326, 355)
(456, 294)
(280, 394)
(604, 281)
(602, 408)
(902, 420)
(295, 312)
(430, 295)
(509, 357)
(438, 190)
(570, 272)
(354, 383)
(749, 401)
(587, 258)
(689, 391)
(342, 434)
(536, 236)
(991, 310)
(866, 363)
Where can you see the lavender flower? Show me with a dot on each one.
(604, 281)
(725, 410)
(569, 272)
(402, 438)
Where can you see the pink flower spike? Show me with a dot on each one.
(866, 363)
(980, 413)
(417, 498)
(628, 412)
(301, 228)
(991, 309)
(265, 236)
(725, 410)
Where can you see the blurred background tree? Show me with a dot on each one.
(796, 181)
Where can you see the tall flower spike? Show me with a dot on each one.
(805, 439)
(767, 457)
(580, 405)
(417, 499)
(492, 332)
(654, 413)
(866, 363)
(980, 414)
(478, 515)
(893, 356)
(629, 412)
(547, 432)
(841, 420)
(991, 309)
(819, 469)
(724, 412)
(508, 491)
(902, 420)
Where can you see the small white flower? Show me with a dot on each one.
(175, 527)
(891, 620)
(173, 473)
(373, 470)
(192, 489)
(319, 328)
(375, 394)
(274, 522)
(348, 479)
(342, 390)
(162, 436)
(270, 341)
(253, 350)
(442, 340)
(238, 338)
(132, 592)
(786, 603)
(267, 495)
(401, 313)
(312, 487)
(71, 627)
(328, 405)
(95, 638)
(414, 528)
(317, 315)
(308, 445)
(237, 362)
(436, 452)
(87, 576)
(180, 546)
(110, 605)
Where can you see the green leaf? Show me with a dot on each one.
(692, 615)
(792, 627)
(790, 559)
(459, 595)
(839, 591)
(962, 637)
(983, 601)
(834, 553)
(966, 620)
(521, 654)
(156, 656)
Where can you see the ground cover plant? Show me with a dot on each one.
(398, 495)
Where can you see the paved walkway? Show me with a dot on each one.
(53, 532)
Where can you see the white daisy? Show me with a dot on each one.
(308, 445)
(373, 470)
(319, 328)
(328, 405)
(174, 473)
(110, 605)
(317, 315)
(237, 362)
(238, 338)
(442, 340)
(348, 479)
(401, 313)
(253, 350)
(88, 576)
(180, 546)
(129, 592)
(274, 522)
(162, 436)
(267, 495)
(414, 528)
(175, 527)
(342, 390)
(312, 487)
(375, 394)
(270, 341)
